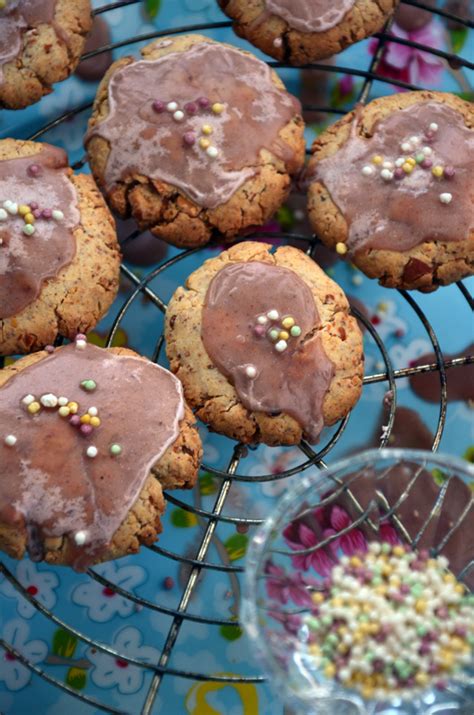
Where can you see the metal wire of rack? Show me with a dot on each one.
(211, 518)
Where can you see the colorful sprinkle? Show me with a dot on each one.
(262, 319)
(115, 450)
(217, 108)
(88, 385)
(251, 371)
(49, 400)
(273, 334)
(178, 116)
(341, 248)
(288, 322)
(158, 106)
(10, 440)
(191, 108)
(172, 106)
(92, 451)
(437, 171)
(281, 346)
(295, 331)
(80, 538)
(386, 174)
(212, 151)
(189, 138)
(34, 407)
(203, 102)
(446, 198)
(368, 170)
(27, 400)
(273, 314)
(204, 143)
(207, 129)
(377, 159)
(28, 229)
(34, 170)
(433, 127)
(3, 215)
(449, 172)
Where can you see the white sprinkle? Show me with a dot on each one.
(446, 198)
(80, 537)
(3, 215)
(212, 151)
(273, 314)
(357, 280)
(281, 346)
(368, 170)
(387, 165)
(251, 371)
(386, 174)
(28, 229)
(262, 319)
(277, 42)
(406, 147)
(415, 140)
(427, 150)
(49, 400)
(172, 106)
(93, 411)
(10, 440)
(1, 241)
(62, 401)
(81, 344)
(11, 207)
(28, 399)
(433, 127)
(57, 215)
(400, 161)
(92, 451)
(178, 116)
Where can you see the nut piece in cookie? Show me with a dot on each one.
(41, 42)
(303, 31)
(392, 184)
(264, 345)
(87, 435)
(213, 144)
(59, 257)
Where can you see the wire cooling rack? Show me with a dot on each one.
(235, 472)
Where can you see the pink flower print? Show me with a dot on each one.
(353, 542)
(283, 587)
(410, 64)
(388, 533)
(298, 536)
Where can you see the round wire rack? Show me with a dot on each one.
(235, 472)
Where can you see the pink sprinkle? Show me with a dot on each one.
(424, 649)
(432, 668)
(158, 106)
(168, 583)
(424, 554)
(49, 348)
(189, 138)
(191, 108)
(404, 588)
(75, 420)
(259, 330)
(441, 684)
(37, 213)
(47, 213)
(378, 665)
(426, 164)
(33, 205)
(460, 631)
(442, 612)
(203, 102)
(399, 333)
(399, 173)
(80, 336)
(429, 135)
(397, 597)
(449, 172)
(86, 429)
(34, 170)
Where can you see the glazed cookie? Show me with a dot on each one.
(41, 42)
(88, 438)
(59, 256)
(197, 140)
(392, 185)
(264, 345)
(303, 31)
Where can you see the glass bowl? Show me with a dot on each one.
(419, 500)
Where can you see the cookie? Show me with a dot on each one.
(197, 140)
(264, 345)
(41, 42)
(59, 256)
(88, 438)
(392, 185)
(303, 31)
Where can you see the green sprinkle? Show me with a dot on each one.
(399, 665)
(326, 620)
(324, 662)
(332, 639)
(88, 385)
(311, 622)
(419, 158)
(377, 581)
(386, 548)
(295, 331)
(421, 631)
(115, 450)
(363, 618)
(369, 656)
(417, 589)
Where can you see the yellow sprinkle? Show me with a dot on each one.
(437, 171)
(314, 649)
(337, 602)
(217, 108)
(377, 159)
(366, 608)
(411, 161)
(367, 691)
(204, 143)
(343, 630)
(95, 422)
(432, 563)
(449, 578)
(207, 129)
(318, 597)
(284, 335)
(288, 322)
(64, 411)
(459, 588)
(342, 648)
(457, 643)
(420, 605)
(355, 561)
(85, 419)
(34, 407)
(29, 218)
(330, 670)
(341, 248)
(73, 407)
(407, 168)
(421, 679)
(398, 551)
(23, 210)
(381, 590)
(386, 569)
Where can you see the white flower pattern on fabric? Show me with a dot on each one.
(15, 675)
(104, 603)
(38, 583)
(108, 672)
